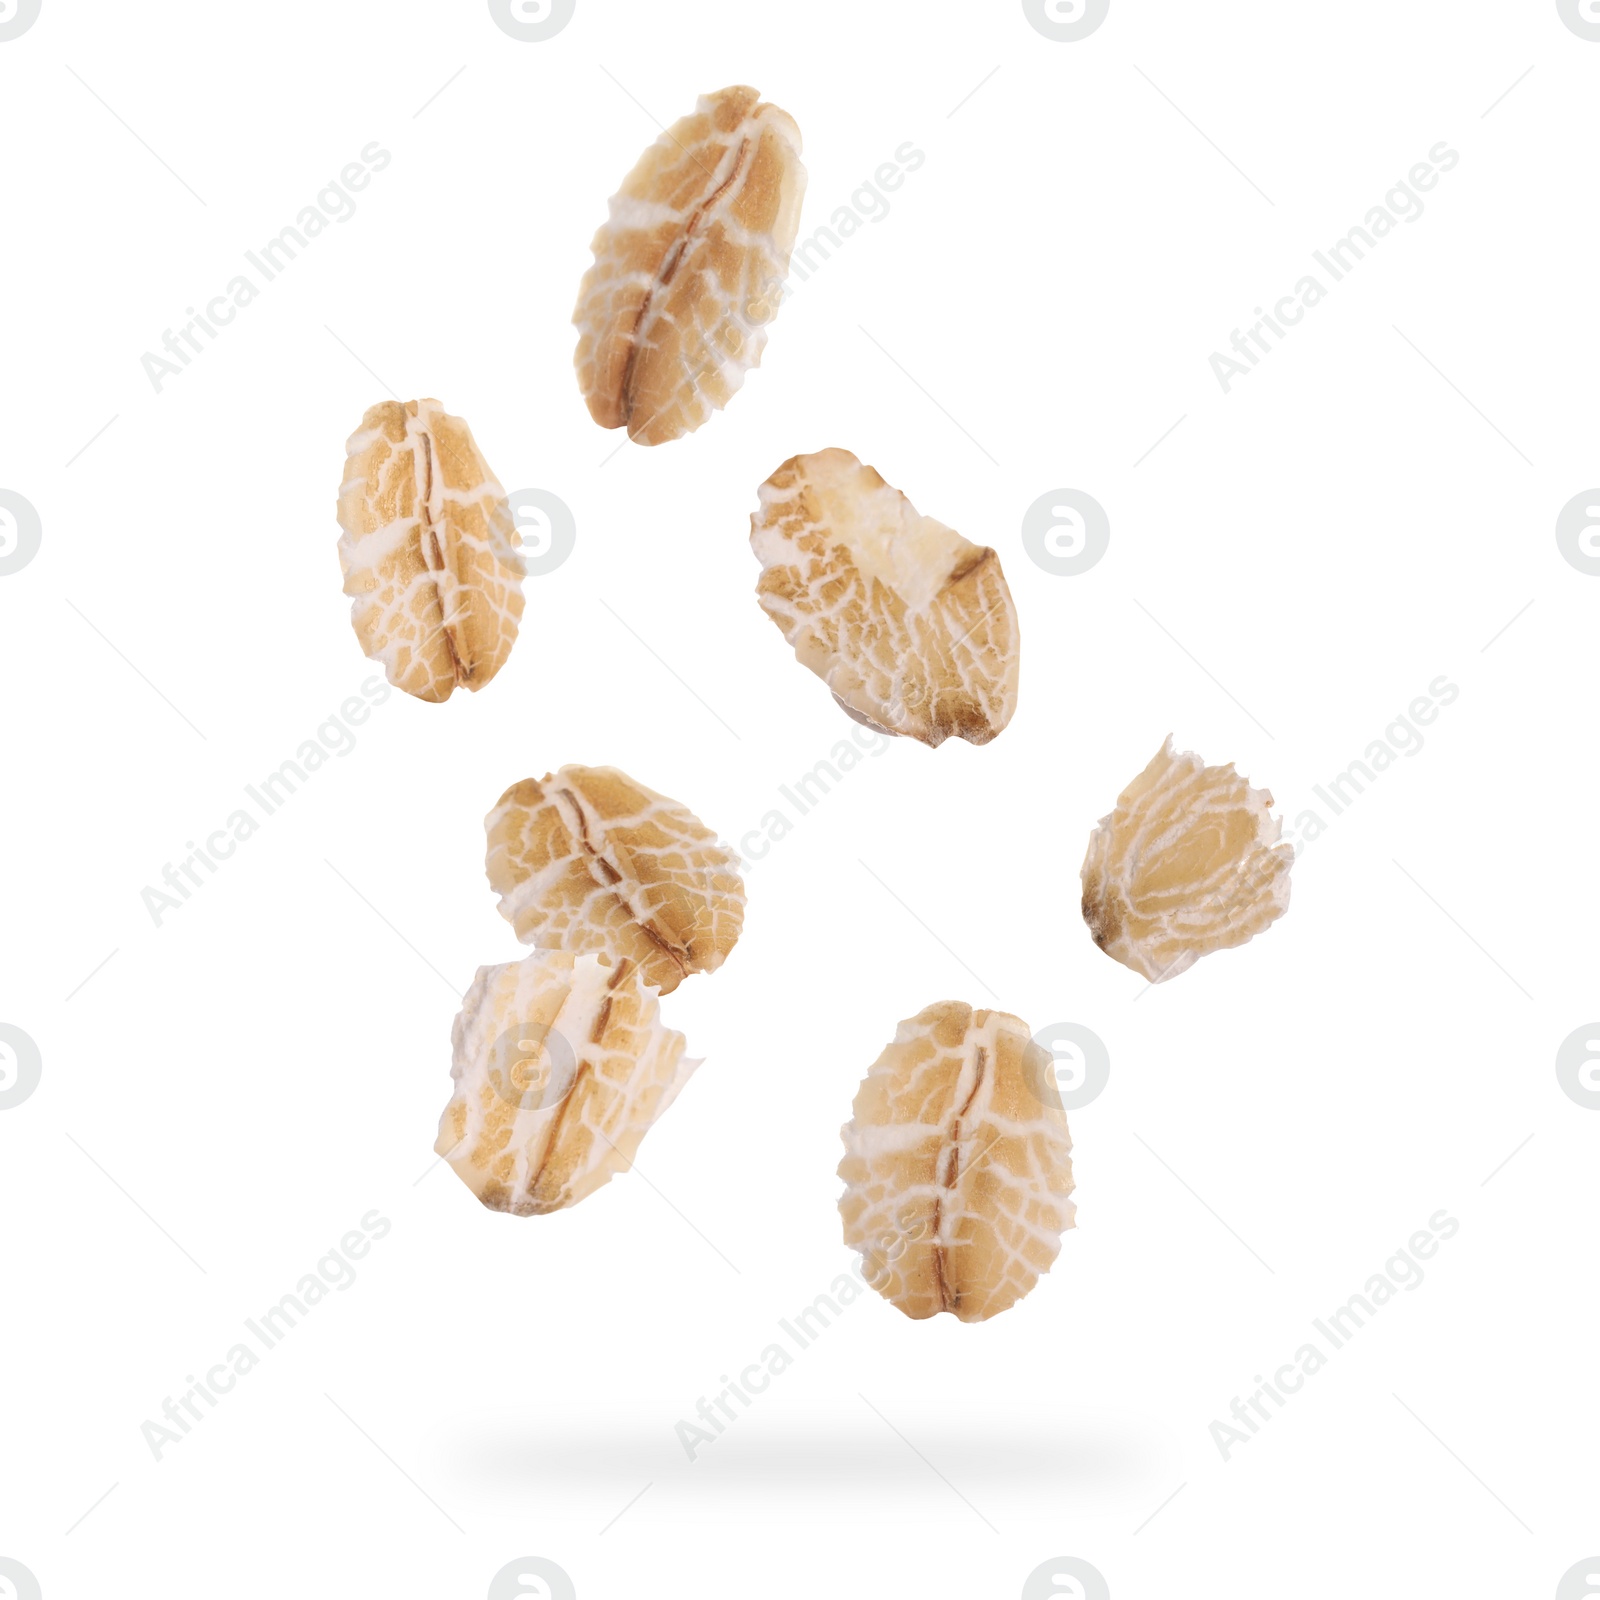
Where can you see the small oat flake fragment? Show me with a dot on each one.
(1188, 862)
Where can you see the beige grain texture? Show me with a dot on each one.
(588, 858)
(1189, 862)
(561, 1067)
(910, 625)
(429, 551)
(689, 268)
(957, 1165)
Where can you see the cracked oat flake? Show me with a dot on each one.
(957, 1166)
(588, 858)
(689, 268)
(429, 551)
(910, 625)
(1189, 862)
(561, 1067)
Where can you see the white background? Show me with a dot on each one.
(1289, 568)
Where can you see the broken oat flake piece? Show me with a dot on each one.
(1189, 862)
(561, 1067)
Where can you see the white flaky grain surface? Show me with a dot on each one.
(1189, 862)
(957, 1165)
(910, 625)
(561, 1067)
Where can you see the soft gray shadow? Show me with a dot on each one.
(760, 1455)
